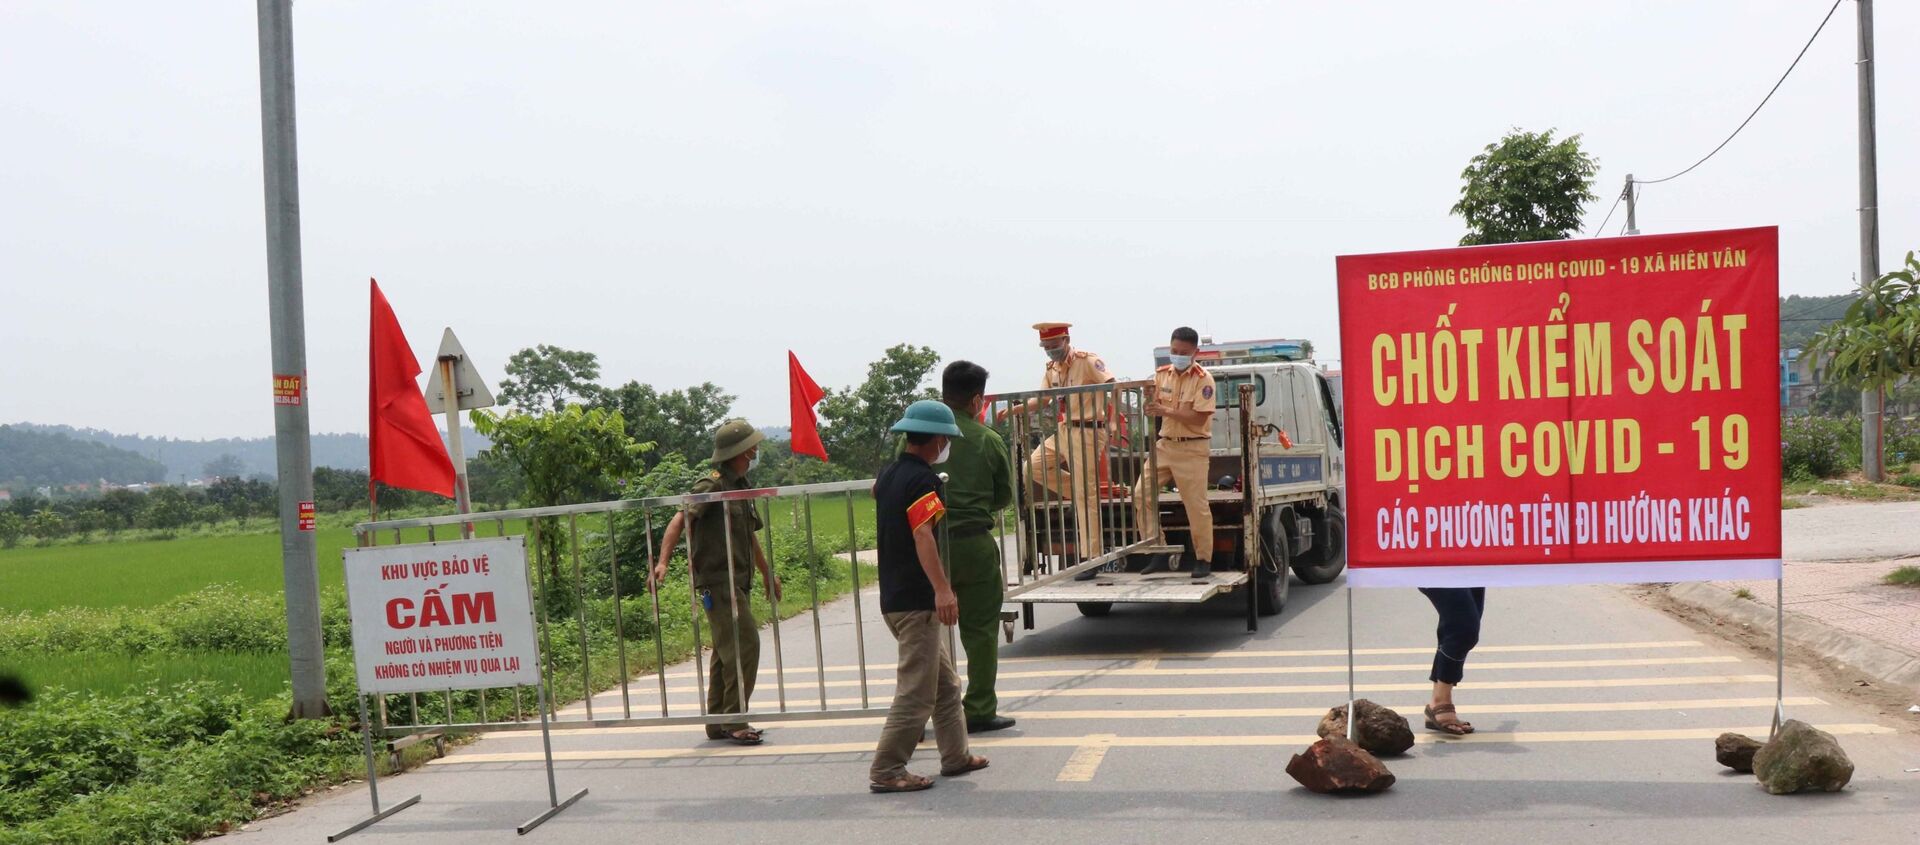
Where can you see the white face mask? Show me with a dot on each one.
(1181, 362)
(1056, 353)
(946, 449)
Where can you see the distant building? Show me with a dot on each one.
(6, 496)
(1799, 381)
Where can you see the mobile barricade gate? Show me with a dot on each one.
(1080, 456)
(472, 621)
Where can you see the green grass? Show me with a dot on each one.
(1905, 576)
(1852, 489)
(256, 675)
(143, 573)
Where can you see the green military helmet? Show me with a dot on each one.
(733, 438)
(928, 417)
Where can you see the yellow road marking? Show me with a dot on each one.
(776, 750)
(687, 701)
(1254, 654)
(1477, 708)
(1085, 762)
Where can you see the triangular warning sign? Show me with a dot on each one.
(473, 389)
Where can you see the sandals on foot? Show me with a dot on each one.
(904, 783)
(973, 764)
(1453, 726)
(746, 736)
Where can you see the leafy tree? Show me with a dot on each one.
(677, 422)
(121, 508)
(240, 498)
(545, 378)
(492, 480)
(36, 458)
(46, 525)
(567, 457)
(1525, 187)
(12, 528)
(1876, 344)
(857, 418)
(167, 508)
(225, 466)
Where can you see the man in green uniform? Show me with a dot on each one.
(724, 554)
(979, 485)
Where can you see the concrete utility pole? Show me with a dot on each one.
(288, 319)
(1633, 224)
(1871, 399)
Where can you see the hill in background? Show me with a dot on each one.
(57, 462)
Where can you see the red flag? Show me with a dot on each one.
(805, 394)
(404, 445)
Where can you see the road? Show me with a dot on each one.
(1596, 715)
(1849, 532)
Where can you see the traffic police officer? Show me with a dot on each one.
(1069, 462)
(724, 554)
(1183, 401)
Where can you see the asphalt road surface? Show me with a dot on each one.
(1596, 718)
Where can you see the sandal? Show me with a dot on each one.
(746, 736)
(905, 783)
(973, 764)
(1453, 726)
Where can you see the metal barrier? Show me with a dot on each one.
(1078, 452)
(555, 536)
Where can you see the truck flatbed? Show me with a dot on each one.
(1158, 588)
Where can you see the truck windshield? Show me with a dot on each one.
(1226, 390)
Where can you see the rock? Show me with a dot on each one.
(1338, 765)
(1801, 756)
(1735, 751)
(1380, 730)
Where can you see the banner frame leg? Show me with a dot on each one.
(373, 780)
(554, 804)
(1779, 652)
(1351, 717)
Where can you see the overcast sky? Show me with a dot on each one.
(691, 189)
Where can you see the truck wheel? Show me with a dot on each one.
(1331, 553)
(1271, 581)
(1094, 609)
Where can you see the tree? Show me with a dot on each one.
(1526, 187)
(545, 378)
(225, 466)
(167, 508)
(492, 480)
(1876, 344)
(240, 498)
(121, 508)
(567, 457)
(678, 422)
(46, 525)
(12, 528)
(857, 418)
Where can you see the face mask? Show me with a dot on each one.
(1056, 353)
(946, 449)
(753, 461)
(1181, 362)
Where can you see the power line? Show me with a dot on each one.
(1756, 109)
(1597, 230)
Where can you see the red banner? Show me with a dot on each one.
(1563, 411)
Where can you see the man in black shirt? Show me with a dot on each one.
(917, 601)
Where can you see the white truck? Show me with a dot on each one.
(1276, 489)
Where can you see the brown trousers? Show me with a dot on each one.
(925, 685)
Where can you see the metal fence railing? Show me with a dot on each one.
(592, 649)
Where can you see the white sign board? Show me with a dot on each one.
(438, 616)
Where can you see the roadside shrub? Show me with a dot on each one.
(217, 618)
(1813, 448)
(1902, 443)
(165, 767)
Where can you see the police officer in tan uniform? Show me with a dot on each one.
(1183, 401)
(1068, 463)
